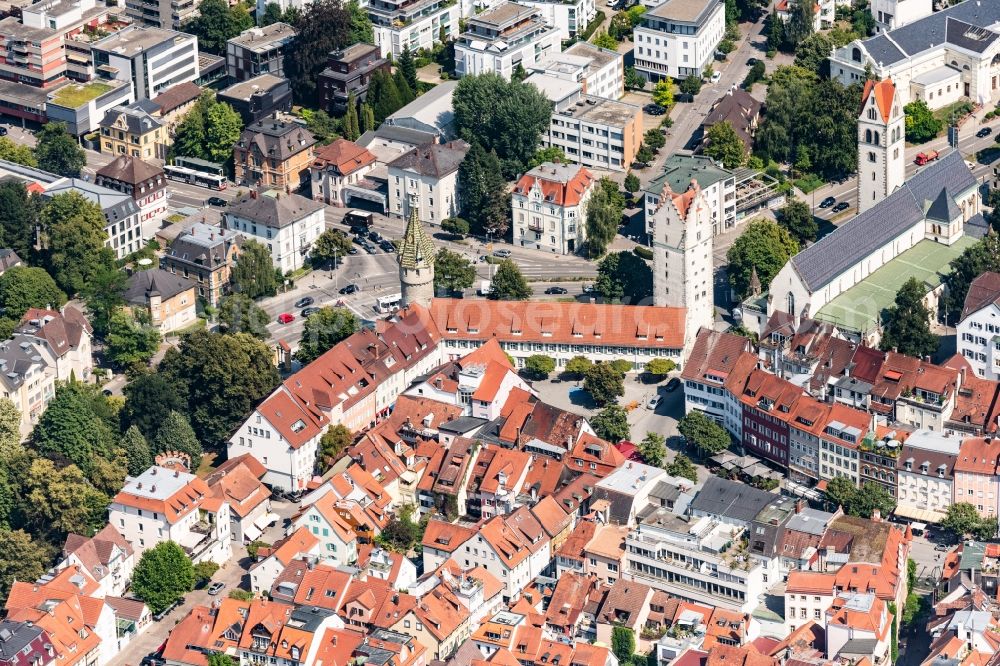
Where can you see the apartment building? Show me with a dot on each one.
(132, 130)
(600, 72)
(428, 177)
(712, 359)
(287, 224)
(206, 255)
(259, 51)
(976, 475)
(925, 476)
(340, 164)
(348, 71)
(152, 59)
(82, 106)
(568, 18)
(678, 38)
(979, 326)
(718, 186)
(500, 39)
(274, 154)
(107, 557)
(122, 215)
(26, 380)
(169, 300)
(549, 207)
(595, 132)
(63, 338)
(142, 181)
(164, 504)
(416, 24)
(257, 98)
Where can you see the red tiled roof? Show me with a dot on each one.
(884, 92)
(344, 156)
(568, 193)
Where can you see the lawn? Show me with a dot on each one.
(960, 109)
(809, 183)
(74, 96)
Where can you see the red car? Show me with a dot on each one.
(286, 318)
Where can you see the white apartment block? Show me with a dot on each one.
(152, 59)
(414, 23)
(427, 175)
(978, 333)
(678, 38)
(939, 58)
(500, 39)
(892, 14)
(26, 380)
(163, 504)
(286, 224)
(570, 18)
(122, 215)
(925, 474)
(718, 186)
(600, 72)
(549, 207)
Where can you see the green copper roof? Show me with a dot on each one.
(417, 248)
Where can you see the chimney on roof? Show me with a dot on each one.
(253, 194)
(800, 505)
(876, 516)
(438, 382)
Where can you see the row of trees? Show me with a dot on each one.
(56, 151)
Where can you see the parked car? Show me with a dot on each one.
(304, 301)
(349, 289)
(216, 201)
(359, 230)
(826, 203)
(166, 611)
(942, 547)
(654, 402)
(556, 290)
(369, 248)
(843, 205)
(503, 254)
(387, 246)
(308, 311)
(687, 98)
(216, 587)
(653, 110)
(716, 76)
(353, 250)
(286, 318)
(3, 131)
(374, 237)
(986, 131)
(672, 385)
(588, 288)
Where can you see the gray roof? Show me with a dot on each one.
(685, 11)
(433, 159)
(730, 499)
(244, 90)
(273, 209)
(116, 206)
(977, 226)
(15, 636)
(137, 118)
(822, 262)
(264, 39)
(134, 40)
(859, 646)
(276, 139)
(156, 281)
(809, 521)
(196, 244)
(463, 424)
(963, 25)
(679, 170)
(944, 208)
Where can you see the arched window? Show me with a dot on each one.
(868, 136)
(856, 54)
(871, 113)
(790, 303)
(876, 139)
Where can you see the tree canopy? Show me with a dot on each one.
(239, 314)
(921, 125)
(907, 323)
(975, 260)
(58, 501)
(18, 215)
(483, 192)
(331, 244)
(963, 519)
(254, 275)
(452, 271)
(57, 151)
(539, 366)
(508, 284)
(70, 430)
(149, 399)
(725, 146)
(74, 228)
(136, 451)
(604, 383)
(704, 434)
(22, 558)
(209, 130)
(623, 276)
(862, 501)
(797, 218)
(176, 434)
(764, 245)
(17, 153)
(604, 214)
(216, 23)
(130, 342)
(162, 576)
(653, 448)
(323, 330)
(323, 26)
(25, 287)
(611, 423)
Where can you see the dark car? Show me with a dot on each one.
(216, 201)
(360, 240)
(672, 385)
(359, 230)
(3, 131)
(304, 301)
(826, 203)
(687, 98)
(986, 131)
(349, 289)
(556, 290)
(752, 61)
(387, 246)
(309, 311)
(653, 110)
(153, 659)
(374, 237)
(843, 205)
(369, 248)
(353, 250)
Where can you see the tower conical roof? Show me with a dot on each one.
(417, 249)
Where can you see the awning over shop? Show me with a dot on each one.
(923, 515)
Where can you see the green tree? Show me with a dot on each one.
(334, 441)
(18, 216)
(203, 571)
(654, 139)
(351, 124)
(19, 154)
(907, 323)
(660, 367)
(578, 366)
(24, 287)
(361, 25)
(508, 284)
(757, 73)
(408, 66)
(22, 558)
(322, 27)
(401, 534)
(611, 423)
(162, 576)
(209, 129)
(130, 342)
(452, 271)
(663, 92)
(796, 217)
(104, 294)
(653, 448)
(975, 260)
(813, 53)
(323, 127)
(921, 125)
(633, 79)
(254, 275)
(221, 378)
(74, 230)
(149, 399)
(70, 430)
(763, 245)
(455, 226)
(603, 217)
(862, 501)
(547, 154)
(623, 644)
(246, 595)
(622, 276)
(539, 366)
(508, 117)
(963, 519)
(632, 184)
(176, 434)
(691, 85)
(605, 41)
(57, 151)
(136, 450)
(239, 314)
(383, 95)
(57, 502)
(725, 146)
(272, 14)
(604, 383)
(330, 245)
(10, 432)
(368, 123)
(644, 155)
(682, 466)
(704, 434)
(801, 23)
(323, 330)
(483, 192)
(217, 22)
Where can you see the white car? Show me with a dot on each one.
(716, 76)
(654, 402)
